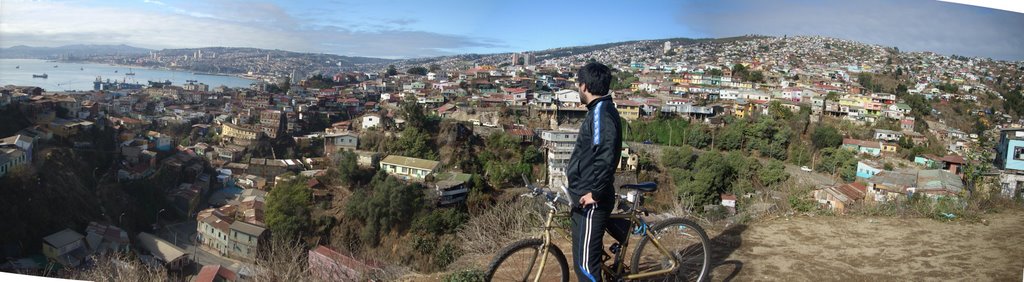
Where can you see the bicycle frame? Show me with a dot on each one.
(635, 222)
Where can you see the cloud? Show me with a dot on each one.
(236, 24)
(941, 27)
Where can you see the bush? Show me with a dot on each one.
(471, 275)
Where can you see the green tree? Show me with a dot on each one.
(415, 143)
(417, 71)
(387, 205)
(288, 214)
(434, 67)
(712, 176)
(826, 137)
(714, 72)
(391, 71)
(838, 161)
(680, 158)
(773, 173)
(731, 137)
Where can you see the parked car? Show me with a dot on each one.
(805, 168)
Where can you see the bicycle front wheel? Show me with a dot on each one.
(685, 241)
(520, 261)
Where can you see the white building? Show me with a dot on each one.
(371, 121)
(407, 168)
(559, 145)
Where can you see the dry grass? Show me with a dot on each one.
(501, 224)
(119, 268)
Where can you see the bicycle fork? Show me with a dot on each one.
(543, 247)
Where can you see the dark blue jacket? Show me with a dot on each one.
(591, 167)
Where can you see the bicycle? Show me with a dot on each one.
(680, 246)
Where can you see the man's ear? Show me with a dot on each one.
(582, 87)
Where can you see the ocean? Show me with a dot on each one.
(80, 76)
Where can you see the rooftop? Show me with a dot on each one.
(410, 162)
(62, 238)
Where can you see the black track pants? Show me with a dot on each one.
(588, 225)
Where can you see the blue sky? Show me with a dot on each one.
(400, 29)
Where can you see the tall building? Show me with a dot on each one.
(515, 59)
(668, 46)
(527, 59)
(559, 145)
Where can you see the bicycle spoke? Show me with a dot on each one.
(684, 243)
(524, 265)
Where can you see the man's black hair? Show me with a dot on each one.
(596, 76)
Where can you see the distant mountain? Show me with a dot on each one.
(29, 52)
(274, 53)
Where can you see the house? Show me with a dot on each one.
(105, 238)
(954, 164)
(837, 198)
(1010, 160)
(937, 183)
(11, 158)
(214, 227)
(163, 253)
(407, 168)
(873, 148)
(628, 109)
(340, 141)
(889, 185)
(867, 168)
(215, 273)
(239, 135)
(65, 247)
(928, 160)
(1010, 150)
(729, 202)
(370, 121)
(21, 141)
(246, 239)
(888, 135)
(329, 265)
(452, 188)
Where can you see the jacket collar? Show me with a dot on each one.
(598, 100)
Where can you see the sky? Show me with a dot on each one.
(406, 29)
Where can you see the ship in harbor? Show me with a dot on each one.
(130, 72)
(44, 75)
(100, 84)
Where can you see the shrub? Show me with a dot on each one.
(471, 275)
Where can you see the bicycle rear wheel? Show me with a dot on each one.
(683, 239)
(520, 261)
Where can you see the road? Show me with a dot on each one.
(183, 234)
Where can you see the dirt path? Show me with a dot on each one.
(871, 249)
(855, 248)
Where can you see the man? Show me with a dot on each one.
(591, 170)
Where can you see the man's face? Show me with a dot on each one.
(584, 94)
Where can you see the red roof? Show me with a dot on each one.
(210, 273)
(727, 197)
(956, 159)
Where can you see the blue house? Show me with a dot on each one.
(867, 169)
(1010, 151)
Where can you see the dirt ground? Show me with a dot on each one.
(857, 248)
(871, 249)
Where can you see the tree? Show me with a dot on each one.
(679, 158)
(434, 67)
(712, 177)
(387, 205)
(417, 71)
(391, 71)
(756, 76)
(826, 137)
(738, 70)
(714, 72)
(774, 172)
(731, 137)
(865, 79)
(415, 143)
(288, 215)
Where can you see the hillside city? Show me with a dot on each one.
(332, 168)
